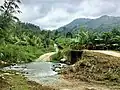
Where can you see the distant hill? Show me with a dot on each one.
(75, 24)
(104, 23)
(29, 26)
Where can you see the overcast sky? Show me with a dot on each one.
(51, 14)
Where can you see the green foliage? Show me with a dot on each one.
(30, 27)
(21, 42)
(102, 24)
(110, 40)
(69, 35)
(57, 57)
(20, 54)
(9, 8)
(23, 45)
(30, 42)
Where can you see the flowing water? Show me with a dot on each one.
(37, 71)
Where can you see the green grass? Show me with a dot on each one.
(57, 57)
(21, 54)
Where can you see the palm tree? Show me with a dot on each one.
(69, 35)
(83, 36)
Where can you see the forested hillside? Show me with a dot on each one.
(101, 24)
(24, 42)
(20, 42)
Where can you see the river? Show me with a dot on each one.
(40, 72)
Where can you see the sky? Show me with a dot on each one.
(52, 14)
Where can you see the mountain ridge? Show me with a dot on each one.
(103, 23)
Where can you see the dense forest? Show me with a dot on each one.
(24, 42)
(20, 42)
(103, 23)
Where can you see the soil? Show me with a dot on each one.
(97, 70)
(73, 80)
(111, 53)
(46, 57)
(12, 80)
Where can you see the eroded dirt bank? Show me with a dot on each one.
(12, 80)
(101, 71)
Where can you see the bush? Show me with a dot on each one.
(65, 53)
(20, 54)
(57, 57)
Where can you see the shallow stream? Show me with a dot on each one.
(40, 72)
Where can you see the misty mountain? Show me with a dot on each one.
(103, 23)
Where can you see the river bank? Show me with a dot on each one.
(12, 80)
(29, 76)
(99, 68)
(80, 76)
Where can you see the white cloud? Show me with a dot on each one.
(53, 19)
(1, 2)
(51, 14)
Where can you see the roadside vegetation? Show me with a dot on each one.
(20, 42)
(24, 42)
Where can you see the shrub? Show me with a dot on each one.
(20, 54)
(57, 57)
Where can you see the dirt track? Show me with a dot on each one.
(46, 57)
(78, 85)
(112, 53)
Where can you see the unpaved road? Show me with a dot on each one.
(112, 53)
(46, 57)
(64, 84)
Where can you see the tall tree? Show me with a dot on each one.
(9, 8)
(69, 35)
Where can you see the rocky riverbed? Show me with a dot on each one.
(42, 72)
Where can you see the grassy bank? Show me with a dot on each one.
(21, 54)
(11, 80)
